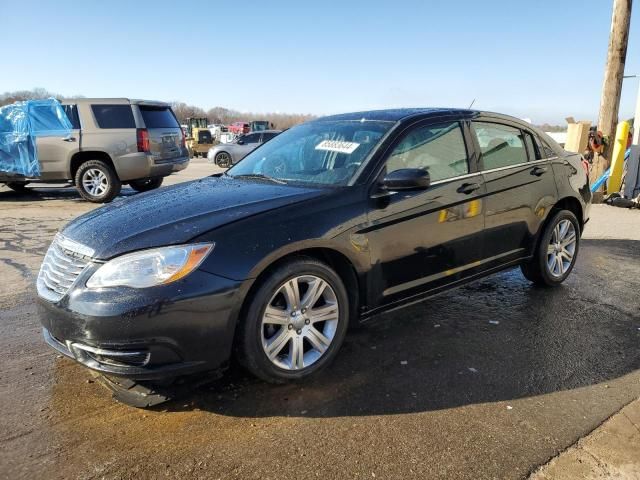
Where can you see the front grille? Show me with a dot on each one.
(64, 261)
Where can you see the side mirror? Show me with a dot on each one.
(240, 141)
(407, 179)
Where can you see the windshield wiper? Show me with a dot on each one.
(261, 176)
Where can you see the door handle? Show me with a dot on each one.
(468, 188)
(537, 171)
(69, 139)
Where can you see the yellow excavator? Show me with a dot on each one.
(199, 139)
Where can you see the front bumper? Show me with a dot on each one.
(144, 334)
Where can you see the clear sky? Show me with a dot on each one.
(541, 59)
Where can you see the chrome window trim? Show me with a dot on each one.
(535, 162)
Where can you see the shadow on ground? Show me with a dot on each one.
(495, 340)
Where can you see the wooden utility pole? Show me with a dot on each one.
(612, 86)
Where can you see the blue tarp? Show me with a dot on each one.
(20, 124)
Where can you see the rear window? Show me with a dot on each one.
(158, 117)
(113, 116)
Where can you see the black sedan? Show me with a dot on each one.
(326, 225)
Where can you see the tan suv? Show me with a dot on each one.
(114, 141)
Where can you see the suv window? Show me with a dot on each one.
(501, 145)
(158, 117)
(72, 115)
(113, 116)
(439, 149)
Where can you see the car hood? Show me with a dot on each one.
(176, 214)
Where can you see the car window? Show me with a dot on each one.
(113, 116)
(439, 149)
(548, 152)
(251, 138)
(72, 114)
(500, 145)
(268, 136)
(158, 117)
(534, 154)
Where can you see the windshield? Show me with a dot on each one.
(321, 152)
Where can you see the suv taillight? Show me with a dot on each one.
(183, 142)
(142, 135)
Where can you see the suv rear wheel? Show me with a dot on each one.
(97, 182)
(146, 184)
(557, 251)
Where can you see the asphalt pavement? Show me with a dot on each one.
(487, 381)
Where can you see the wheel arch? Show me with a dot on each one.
(339, 262)
(566, 203)
(573, 205)
(80, 157)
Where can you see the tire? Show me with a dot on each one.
(223, 159)
(146, 184)
(104, 176)
(550, 265)
(19, 187)
(136, 394)
(295, 330)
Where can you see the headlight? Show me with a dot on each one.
(148, 268)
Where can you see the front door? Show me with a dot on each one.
(425, 238)
(520, 189)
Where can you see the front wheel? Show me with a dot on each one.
(97, 182)
(146, 184)
(295, 322)
(223, 159)
(557, 251)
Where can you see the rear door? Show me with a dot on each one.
(165, 134)
(54, 153)
(520, 188)
(425, 238)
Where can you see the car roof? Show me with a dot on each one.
(403, 114)
(265, 131)
(115, 101)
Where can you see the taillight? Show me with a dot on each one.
(142, 135)
(183, 142)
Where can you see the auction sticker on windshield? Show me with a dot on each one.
(337, 146)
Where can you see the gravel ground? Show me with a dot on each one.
(437, 390)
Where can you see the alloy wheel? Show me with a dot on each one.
(95, 182)
(561, 248)
(299, 323)
(224, 160)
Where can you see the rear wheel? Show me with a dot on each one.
(19, 187)
(97, 182)
(223, 159)
(557, 251)
(295, 323)
(146, 184)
